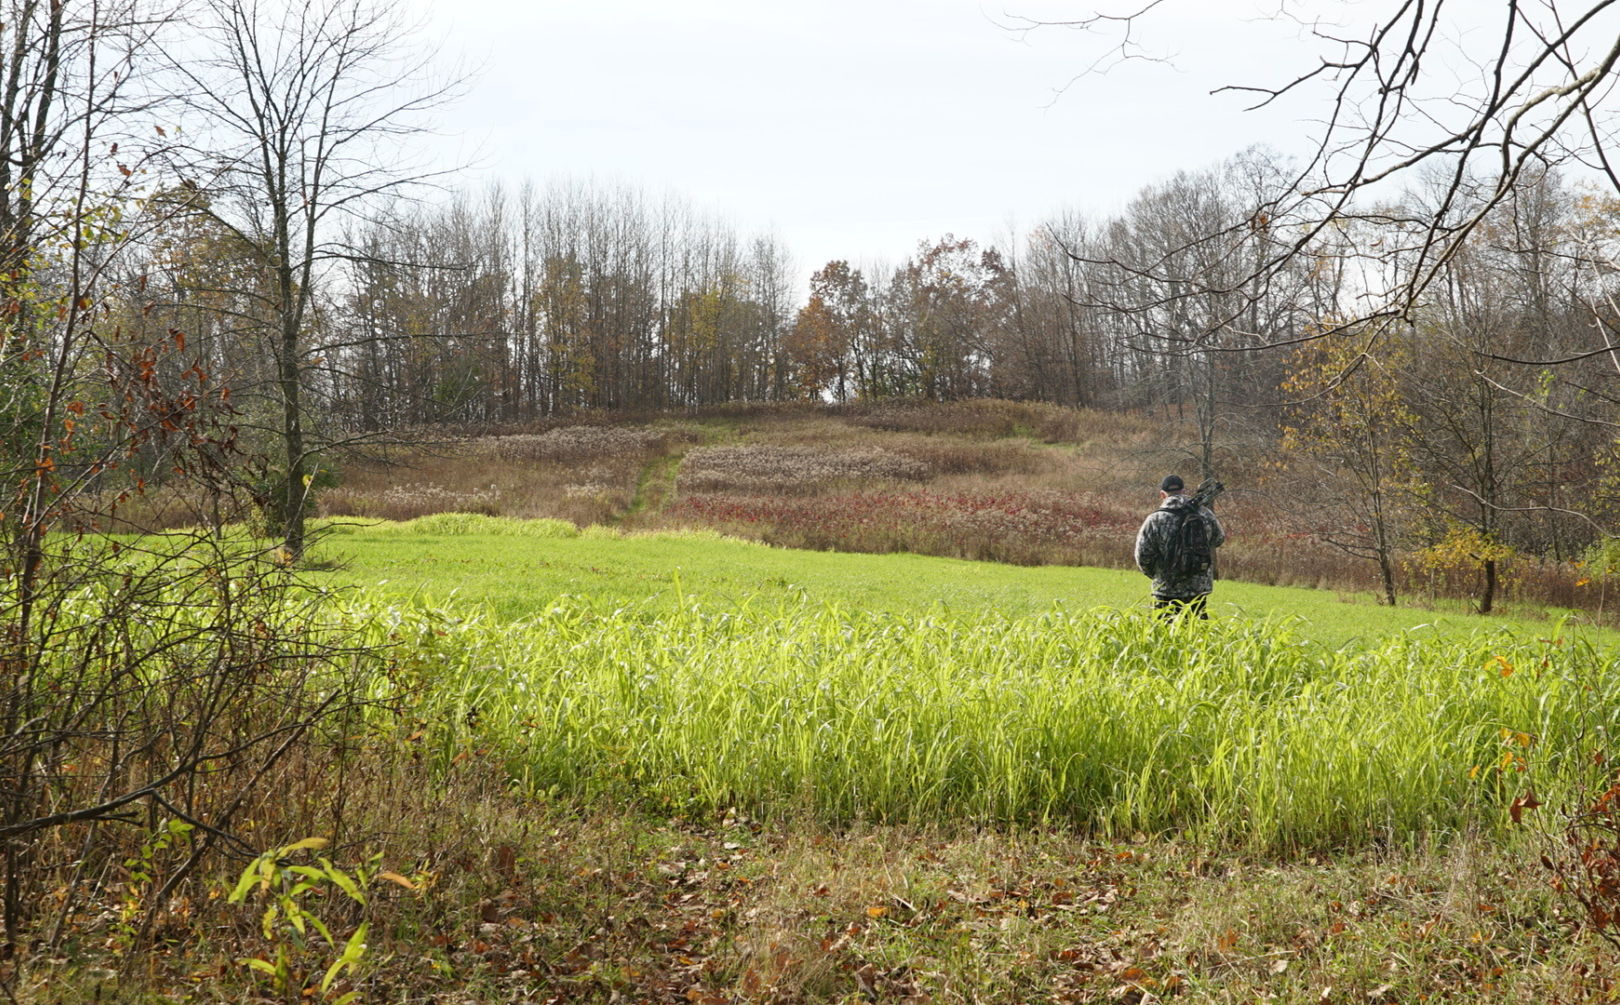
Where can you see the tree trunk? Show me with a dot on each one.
(1387, 573)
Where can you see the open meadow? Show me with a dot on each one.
(809, 705)
(703, 769)
(442, 563)
(698, 673)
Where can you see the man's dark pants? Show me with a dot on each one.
(1174, 607)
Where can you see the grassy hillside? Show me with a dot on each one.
(993, 480)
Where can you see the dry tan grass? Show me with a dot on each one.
(526, 900)
(584, 474)
(571, 443)
(767, 468)
(981, 418)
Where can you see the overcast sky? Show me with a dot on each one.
(855, 128)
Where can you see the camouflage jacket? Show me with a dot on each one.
(1152, 542)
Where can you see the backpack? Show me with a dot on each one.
(1187, 550)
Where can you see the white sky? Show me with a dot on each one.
(855, 128)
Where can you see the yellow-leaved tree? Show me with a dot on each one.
(1346, 422)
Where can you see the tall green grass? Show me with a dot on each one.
(1229, 731)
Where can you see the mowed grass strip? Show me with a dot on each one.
(516, 568)
(1239, 730)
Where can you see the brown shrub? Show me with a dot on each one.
(1021, 528)
(586, 473)
(768, 468)
(575, 443)
(983, 418)
(943, 457)
(409, 500)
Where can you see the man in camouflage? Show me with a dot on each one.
(1172, 594)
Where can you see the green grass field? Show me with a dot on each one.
(676, 768)
(515, 569)
(694, 673)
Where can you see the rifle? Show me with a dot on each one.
(1207, 491)
(1205, 495)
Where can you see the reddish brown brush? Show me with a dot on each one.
(1584, 858)
(1010, 527)
(1017, 482)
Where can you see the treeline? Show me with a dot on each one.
(1479, 427)
(513, 305)
(1478, 420)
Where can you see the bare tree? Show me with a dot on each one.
(1422, 89)
(1054, 349)
(1346, 431)
(145, 683)
(304, 113)
(64, 94)
(1177, 274)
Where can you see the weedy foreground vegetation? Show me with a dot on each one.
(674, 795)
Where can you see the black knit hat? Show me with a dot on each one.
(1172, 484)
